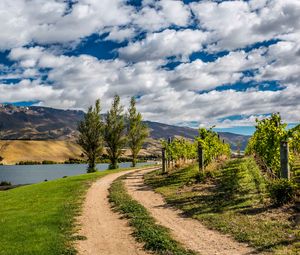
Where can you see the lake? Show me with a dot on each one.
(27, 174)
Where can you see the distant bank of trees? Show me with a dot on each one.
(117, 130)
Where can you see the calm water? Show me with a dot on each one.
(38, 173)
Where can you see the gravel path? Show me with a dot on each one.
(190, 232)
(106, 232)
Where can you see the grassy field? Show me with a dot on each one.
(39, 219)
(57, 151)
(156, 238)
(234, 201)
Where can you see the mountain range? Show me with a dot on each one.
(43, 123)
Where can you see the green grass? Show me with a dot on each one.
(39, 219)
(156, 238)
(234, 201)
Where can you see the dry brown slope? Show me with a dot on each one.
(14, 151)
(18, 150)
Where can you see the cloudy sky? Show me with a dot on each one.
(192, 63)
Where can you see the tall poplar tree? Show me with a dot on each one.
(137, 131)
(114, 132)
(90, 137)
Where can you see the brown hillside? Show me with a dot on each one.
(14, 151)
(58, 151)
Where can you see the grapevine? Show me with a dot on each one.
(180, 150)
(211, 144)
(265, 142)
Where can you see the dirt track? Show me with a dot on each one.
(106, 232)
(189, 232)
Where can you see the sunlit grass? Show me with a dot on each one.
(40, 218)
(156, 238)
(234, 200)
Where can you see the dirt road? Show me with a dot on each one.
(191, 233)
(106, 232)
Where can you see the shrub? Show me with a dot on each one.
(5, 183)
(75, 161)
(282, 191)
(49, 162)
(29, 163)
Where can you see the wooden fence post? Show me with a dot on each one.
(284, 160)
(200, 157)
(168, 156)
(163, 157)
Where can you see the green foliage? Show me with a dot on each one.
(44, 162)
(114, 132)
(90, 137)
(29, 163)
(75, 161)
(282, 191)
(295, 140)
(93, 134)
(265, 142)
(41, 218)
(180, 149)
(137, 131)
(5, 183)
(212, 146)
(156, 238)
(49, 162)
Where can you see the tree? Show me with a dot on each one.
(137, 131)
(90, 137)
(114, 132)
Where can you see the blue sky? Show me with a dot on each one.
(192, 63)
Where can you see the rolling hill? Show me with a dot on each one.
(43, 123)
(15, 151)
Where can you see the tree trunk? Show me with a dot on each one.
(92, 165)
(113, 164)
(133, 161)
